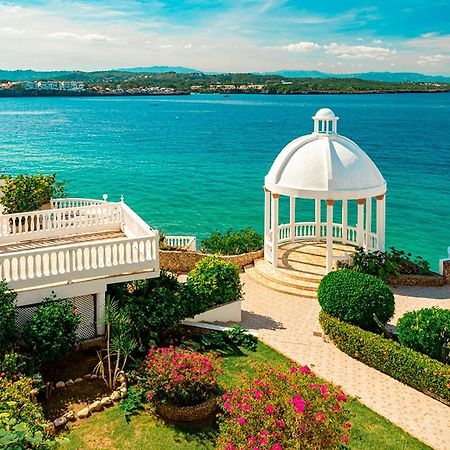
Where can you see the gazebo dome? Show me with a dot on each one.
(325, 165)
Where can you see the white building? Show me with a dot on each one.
(48, 85)
(75, 86)
(75, 249)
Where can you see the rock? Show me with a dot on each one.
(96, 406)
(69, 382)
(60, 422)
(78, 380)
(106, 401)
(123, 392)
(85, 412)
(87, 377)
(60, 385)
(94, 376)
(70, 415)
(124, 385)
(115, 396)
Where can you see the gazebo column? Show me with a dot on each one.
(275, 199)
(368, 222)
(266, 219)
(329, 265)
(360, 223)
(292, 218)
(344, 221)
(381, 221)
(318, 218)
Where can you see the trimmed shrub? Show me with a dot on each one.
(355, 297)
(51, 331)
(426, 331)
(180, 377)
(401, 363)
(30, 192)
(214, 282)
(8, 313)
(278, 409)
(22, 421)
(233, 242)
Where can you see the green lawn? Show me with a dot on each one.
(109, 430)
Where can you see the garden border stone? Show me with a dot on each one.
(416, 280)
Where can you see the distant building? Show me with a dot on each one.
(28, 85)
(48, 85)
(75, 86)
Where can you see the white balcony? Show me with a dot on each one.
(75, 241)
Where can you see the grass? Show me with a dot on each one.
(109, 430)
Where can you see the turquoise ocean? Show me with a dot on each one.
(192, 164)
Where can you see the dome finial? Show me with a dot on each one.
(325, 121)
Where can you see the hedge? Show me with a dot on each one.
(401, 363)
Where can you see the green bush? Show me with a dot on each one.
(214, 282)
(22, 421)
(8, 313)
(388, 264)
(404, 364)
(355, 297)
(233, 242)
(30, 192)
(426, 331)
(51, 331)
(13, 365)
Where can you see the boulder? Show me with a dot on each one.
(69, 382)
(78, 380)
(60, 422)
(87, 377)
(85, 412)
(106, 401)
(123, 392)
(96, 406)
(70, 415)
(94, 376)
(115, 396)
(60, 385)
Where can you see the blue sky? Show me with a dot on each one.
(226, 35)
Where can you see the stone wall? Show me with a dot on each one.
(416, 280)
(184, 261)
(446, 270)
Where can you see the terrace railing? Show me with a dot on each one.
(181, 242)
(57, 203)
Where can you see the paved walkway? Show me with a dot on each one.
(287, 323)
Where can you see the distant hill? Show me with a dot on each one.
(29, 75)
(370, 76)
(159, 69)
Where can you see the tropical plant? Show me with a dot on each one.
(120, 344)
(401, 363)
(51, 331)
(180, 377)
(278, 409)
(426, 331)
(224, 340)
(233, 242)
(30, 192)
(388, 264)
(8, 314)
(215, 282)
(356, 297)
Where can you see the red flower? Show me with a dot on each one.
(227, 406)
(320, 417)
(305, 369)
(341, 397)
(259, 395)
(269, 409)
(277, 447)
(242, 421)
(348, 425)
(345, 439)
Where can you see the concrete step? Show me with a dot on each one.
(279, 286)
(289, 276)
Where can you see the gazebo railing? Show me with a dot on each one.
(307, 231)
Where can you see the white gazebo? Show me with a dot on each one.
(327, 168)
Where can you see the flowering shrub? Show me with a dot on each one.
(281, 410)
(180, 377)
(22, 421)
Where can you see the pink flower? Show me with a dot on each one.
(227, 406)
(320, 417)
(341, 397)
(298, 403)
(149, 396)
(293, 369)
(348, 425)
(264, 433)
(259, 395)
(252, 440)
(263, 441)
(277, 447)
(246, 407)
(282, 423)
(242, 421)
(269, 409)
(225, 396)
(323, 390)
(345, 439)
(305, 369)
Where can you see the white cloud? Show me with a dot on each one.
(432, 59)
(358, 51)
(89, 37)
(303, 46)
(10, 30)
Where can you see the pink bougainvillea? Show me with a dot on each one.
(283, 410)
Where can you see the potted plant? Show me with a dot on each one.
(182, 383)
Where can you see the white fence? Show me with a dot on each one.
(57, 203)
(182, 242)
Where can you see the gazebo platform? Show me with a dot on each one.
(301, 266)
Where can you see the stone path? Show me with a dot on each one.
(287, 323)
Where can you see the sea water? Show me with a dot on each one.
(193, 164)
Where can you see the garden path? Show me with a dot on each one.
(287, 324)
